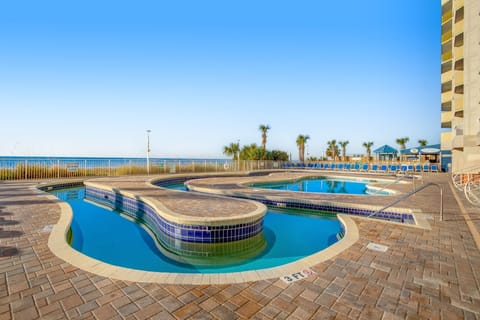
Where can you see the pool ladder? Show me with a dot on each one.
(411, 193)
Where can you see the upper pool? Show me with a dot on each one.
(324, 185)
(109, 236)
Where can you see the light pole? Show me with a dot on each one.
(238, 156)
(148, 152)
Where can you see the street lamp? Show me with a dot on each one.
(238, 156)
(148, 152)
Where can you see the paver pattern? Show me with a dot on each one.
(424, 274)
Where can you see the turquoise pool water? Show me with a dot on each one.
(107, 236)
(320, 185)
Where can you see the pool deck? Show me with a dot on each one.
(424, 274)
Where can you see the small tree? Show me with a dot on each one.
(332, 149)
(232, 150)
(264, 129)
(422, 142)
(301, 141)
(344, 144)
(368, 146)
(402, 142)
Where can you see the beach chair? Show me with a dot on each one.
(340, 166)
(410, 168)
(383, 168)
(356, 167)
(319, 166)
(426, 167)
(393, 168)
(334, 166)
(403, 168)
(374, 168)
(365, 167)
(348, 166)
(418, 168)
(434, 168)
(310, 165)
(326, 166)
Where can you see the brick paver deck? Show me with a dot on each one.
(425, 274)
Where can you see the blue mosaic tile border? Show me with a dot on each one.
(387, 215)
(184, 232)
(65, 185)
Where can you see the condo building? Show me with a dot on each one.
(460, 84)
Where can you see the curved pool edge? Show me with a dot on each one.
(58, 245)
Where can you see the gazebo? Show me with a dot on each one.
(386, 152)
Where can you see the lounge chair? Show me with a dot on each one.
(334, 166)
(418, 168)
(410, 168)
(326, 166)
(434, 168)
(365, 167)
(356, 167)
(340, 166)
(393, 168)
(348, 166)
(426, 167)
(374, 168)
(383, 168)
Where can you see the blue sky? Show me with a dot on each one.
(88, 78)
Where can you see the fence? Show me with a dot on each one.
(70, 168)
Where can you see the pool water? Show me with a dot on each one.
(320, 185)
(108, 236)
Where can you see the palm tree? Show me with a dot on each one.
(332, 149)
(368, 146)
(232, 150)
(301, 140)
(344, 144)
(422, 142)
(402, 142)
(264, 129)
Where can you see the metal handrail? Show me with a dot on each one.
(405, 196)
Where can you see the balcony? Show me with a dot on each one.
(446, 116)
(447, 96)
(447, 56)
(447, 35)
(459, 89)
(447, 16)
(447, 76)
(446, 140)
(447, 106)
(458, 105)
(458, 65)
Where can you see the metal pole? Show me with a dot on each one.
(148, 152)
(238, 152)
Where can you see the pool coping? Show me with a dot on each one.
(58, 245)
(420, 220)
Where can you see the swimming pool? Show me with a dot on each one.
(287, 236)
(323, 185)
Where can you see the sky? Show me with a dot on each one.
(88, 78)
